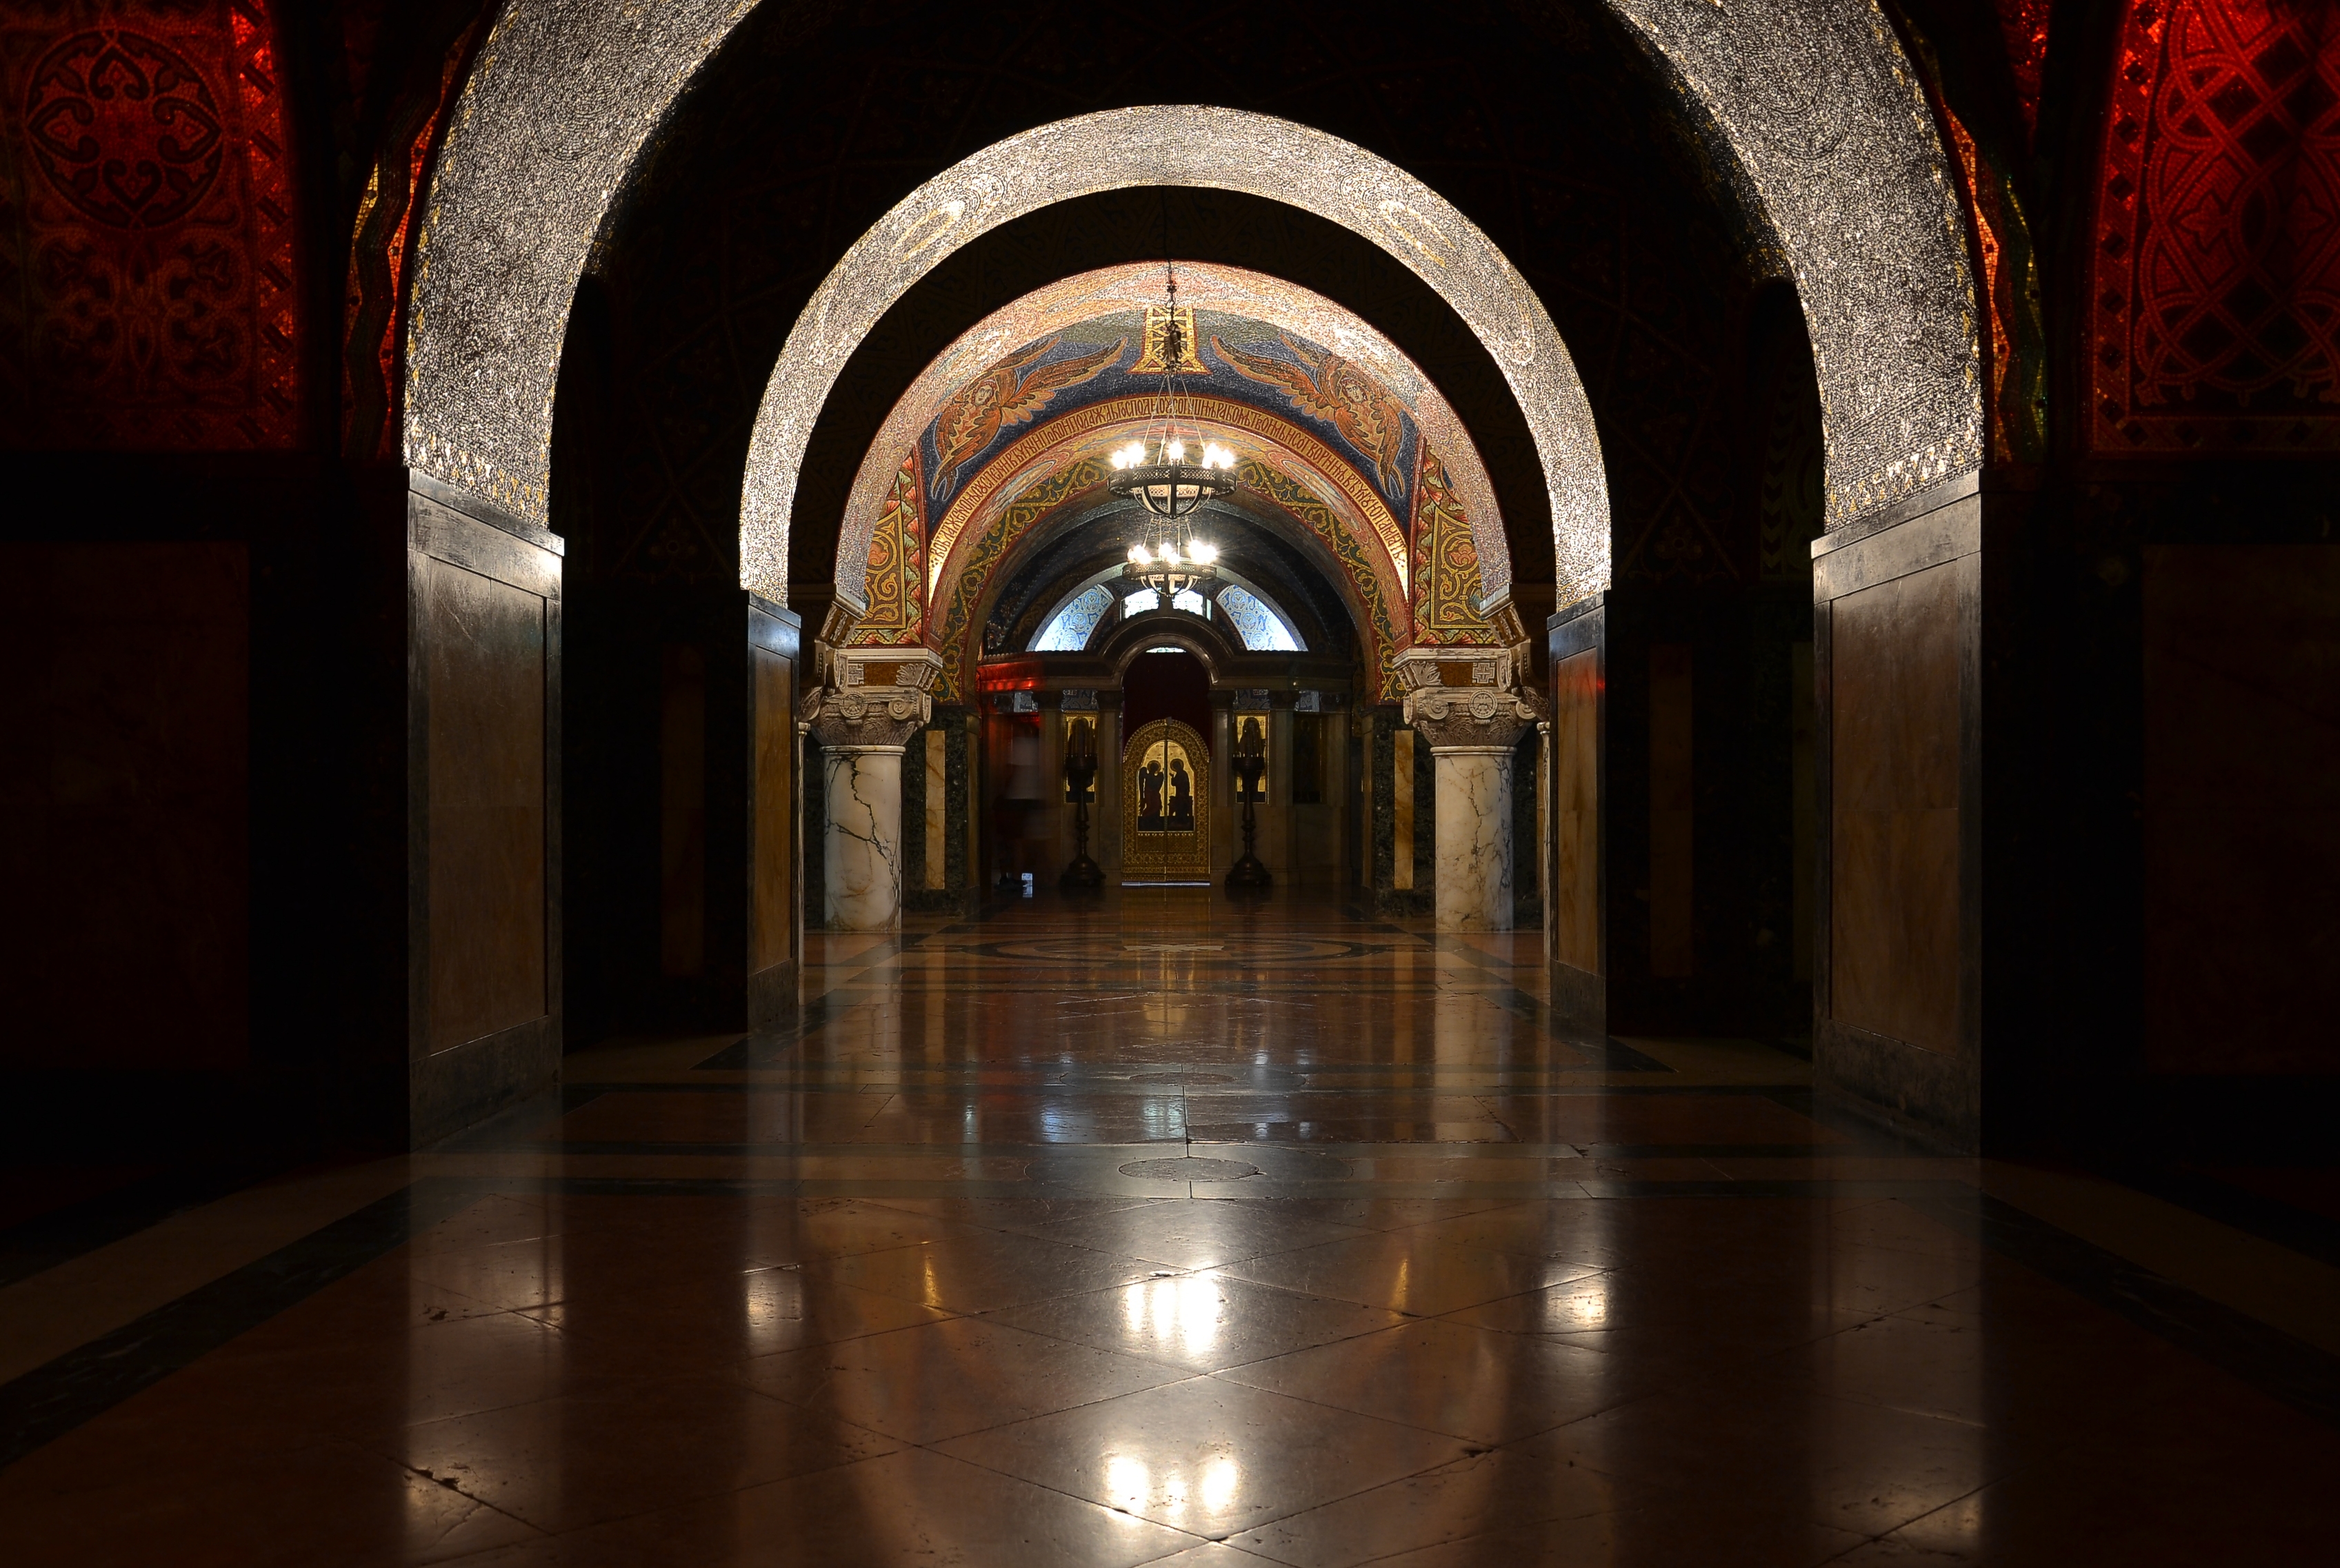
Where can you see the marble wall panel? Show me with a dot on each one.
(486, 675)
(2242, 809)
(1894, 926)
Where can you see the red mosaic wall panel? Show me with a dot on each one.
(149, 296)
(2215, 293)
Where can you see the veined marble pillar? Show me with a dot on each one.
(1464, 702)
(862, 848)
(876, 700)
(1474, 872)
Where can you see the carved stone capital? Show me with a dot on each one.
(1476, 717)
(866, 715)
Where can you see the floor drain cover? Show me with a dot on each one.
(1190, 1169)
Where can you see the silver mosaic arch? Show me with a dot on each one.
(1222, 149)
(554, 113)
(1815, 95)
(1824, 113)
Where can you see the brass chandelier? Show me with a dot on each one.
(1170, 470)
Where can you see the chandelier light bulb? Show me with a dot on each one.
(1177, 452)
(1170, 554)
(1140, 554)
(1203, 552)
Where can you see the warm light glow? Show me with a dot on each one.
(1177, 452)
(1169, 554)
(1141, 555)
(1203, 552)
(1127, 1482)
(1220, 1479)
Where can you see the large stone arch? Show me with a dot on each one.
(1224, 149)
(1814, 101)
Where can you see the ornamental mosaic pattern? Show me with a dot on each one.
(1445, 563)
(2216, 287)
(1357, 568)
(990, 552)
(147, 226)
(1820, 104)
(896, 581)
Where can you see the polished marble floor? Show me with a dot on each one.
(1173, 1231)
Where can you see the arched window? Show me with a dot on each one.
(1263, 630)
(1070, 632)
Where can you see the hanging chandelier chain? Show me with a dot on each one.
(1169, 470)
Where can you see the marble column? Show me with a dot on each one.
(1474, 867)
(1465, 704)
(862, 847)
(875, 700)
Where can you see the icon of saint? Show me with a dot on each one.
(1181, 798)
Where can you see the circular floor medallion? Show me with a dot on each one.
(1190, 1169)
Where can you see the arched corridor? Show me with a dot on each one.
(1507, 783)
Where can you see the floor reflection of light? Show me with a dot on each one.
(1128, 1484)
(1186, 1310)
(1580, 1306)
(1220, 1479)
(772, 1299)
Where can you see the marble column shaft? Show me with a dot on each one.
(862, 848)
(1473, 868)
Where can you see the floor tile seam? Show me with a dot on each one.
(1871, 1540)
(417, 1470)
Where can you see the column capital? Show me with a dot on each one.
(1472, 718)
(881, 718)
